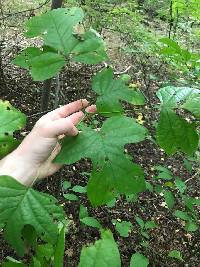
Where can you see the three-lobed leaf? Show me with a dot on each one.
(110, 91)
(20, 206)
(61, 43)
(113, 171)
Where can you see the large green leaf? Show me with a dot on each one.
(174, 133)
(10, 120)
(56, 27)
(102, 145)
(42, 65)
(104, 253)
(118, 175)
(112, 170)
(59, 31)
(170, 96)
(193, 104)
(20, 206)
(112, 90)
(91, 50)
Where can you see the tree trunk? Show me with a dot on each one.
(47, 84)
(56, 4)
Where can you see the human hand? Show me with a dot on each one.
(33, 158)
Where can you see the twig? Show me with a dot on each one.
(57, 91)
(24, 11)
(119, 72)
(194, 176)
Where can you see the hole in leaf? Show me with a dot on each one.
(8, 108)
(6, 133)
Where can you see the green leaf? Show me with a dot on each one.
(42, 65)
(112, 90)
(164, 173)
(174, 133)
(193, 104)
(107, 182)
(188, 165)
(46, 66)
(58, 29)
(169, 199)
(111, 203)
(90, 221)
(103, 253)
(44, 253)
(12, 263)
(139, 260)
(150, 225)
(175, 254)
(145, 234)
(182, 215)
(91, 50)
(180, 185)
(112, 170)
(170, 96)
(124, 228)
(10, 120)
(60, 249)
(191, 226)
(71, 197)
(140, 222)
(170, 43)
(24, 58)
(20, 206)
(83, 212)
(66, 185)
(79, 189)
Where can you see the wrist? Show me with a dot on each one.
(15, 166)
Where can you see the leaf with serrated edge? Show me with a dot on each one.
(174, 133)
(112, 170)
(193, 104)
(112, 90)
(10, 120)
(170, 96)
(20, 206)
(57, 27)
(102, 254)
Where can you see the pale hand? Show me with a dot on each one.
(33, 158)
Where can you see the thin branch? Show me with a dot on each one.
(25, 11)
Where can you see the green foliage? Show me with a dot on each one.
(20, 206)
(102, 254)
(105, 148)
(138, 259)
(61, 43)
(10, 121)
(110, 91)
(175, 254)
(123, 227)
(90, 221)
(179, 57)
(169, 199)
(173, 132)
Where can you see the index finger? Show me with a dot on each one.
(68, 109)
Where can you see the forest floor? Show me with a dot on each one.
(24, 94)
